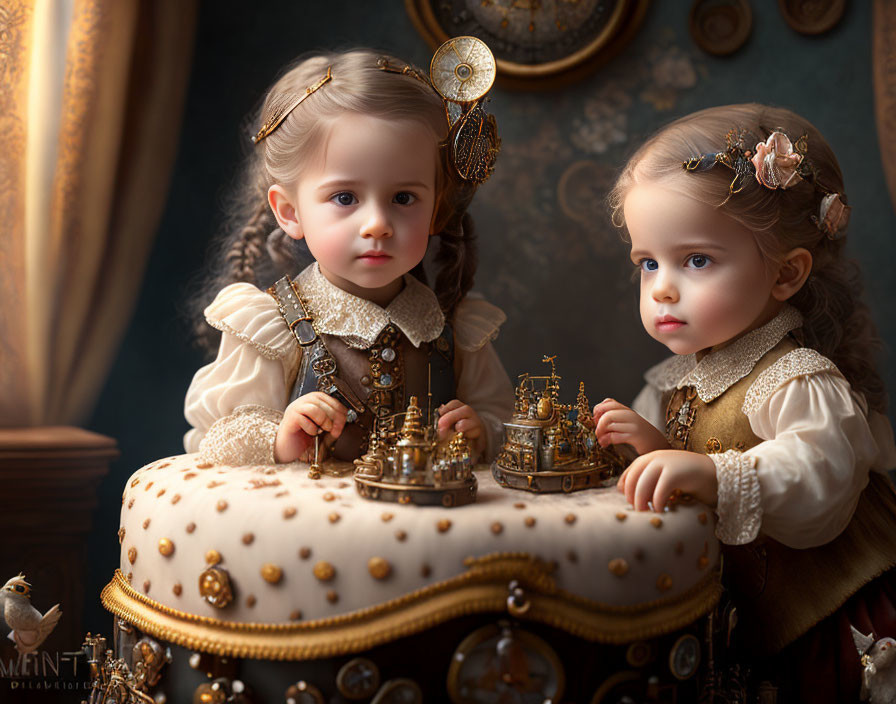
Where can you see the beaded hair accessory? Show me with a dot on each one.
(461, 72)
(280, 113)
(776, 163)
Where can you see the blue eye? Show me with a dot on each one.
(698, 261)
(404, 198)
(344, 198)
(648, 265)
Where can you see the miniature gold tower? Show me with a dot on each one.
(410, 465)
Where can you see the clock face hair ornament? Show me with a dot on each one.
(776, 163)
(462, 71)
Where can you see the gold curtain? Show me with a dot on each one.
(884, 67)
(91, 95)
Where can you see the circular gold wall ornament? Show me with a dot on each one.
(533, 41)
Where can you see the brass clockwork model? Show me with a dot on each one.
(410, 465)
(550, 446)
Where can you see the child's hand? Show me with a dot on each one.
(307, 416)
(615, 424)
(656, 475)
(458, 416)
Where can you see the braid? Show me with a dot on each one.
(456, 260)
(248, 246)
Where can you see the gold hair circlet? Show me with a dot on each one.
(278, 116)
(776, 163)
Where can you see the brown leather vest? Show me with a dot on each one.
(781, 592)
(384, 377)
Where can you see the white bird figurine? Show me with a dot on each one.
(879, 663)
(29, 627)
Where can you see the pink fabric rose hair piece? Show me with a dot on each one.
(776, 162)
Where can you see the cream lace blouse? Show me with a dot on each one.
(235, 403)
(800, 485)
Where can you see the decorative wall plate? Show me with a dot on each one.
(534, 40)
(812, 17)
(721, 27)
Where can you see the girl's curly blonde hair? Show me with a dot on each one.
(252, 248)
(837, 322)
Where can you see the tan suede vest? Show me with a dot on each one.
(781, 592)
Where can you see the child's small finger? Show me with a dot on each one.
(467, 426)
(308, 425)
(450, 419)
(334, 408)
(661, 493)
(450, 406)
(632, 473)
(337, 426)
(646, 485)
(620, 484)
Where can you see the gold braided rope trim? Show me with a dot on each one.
(482, 589)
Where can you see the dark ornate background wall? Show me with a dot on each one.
(549, 256)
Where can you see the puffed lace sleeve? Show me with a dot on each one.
(481, 380)
(235, 403)
(800, 485)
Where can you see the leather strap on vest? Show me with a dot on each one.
(314, 351)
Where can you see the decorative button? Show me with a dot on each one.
(324, 571)
(379, 567)
(351, 416)
(385, 379)
(713, 445)
(365, 380)
(214, 587)
(270, 573)
(619, 567)
(388, 354)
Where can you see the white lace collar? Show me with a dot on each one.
(415, 311)
(718, 371)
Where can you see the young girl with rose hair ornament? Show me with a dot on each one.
(772, 409)
(349, 159)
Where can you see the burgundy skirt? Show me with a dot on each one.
(823, 665)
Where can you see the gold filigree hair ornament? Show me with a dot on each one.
(462, 72)
(776, 163)
(281, 112)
